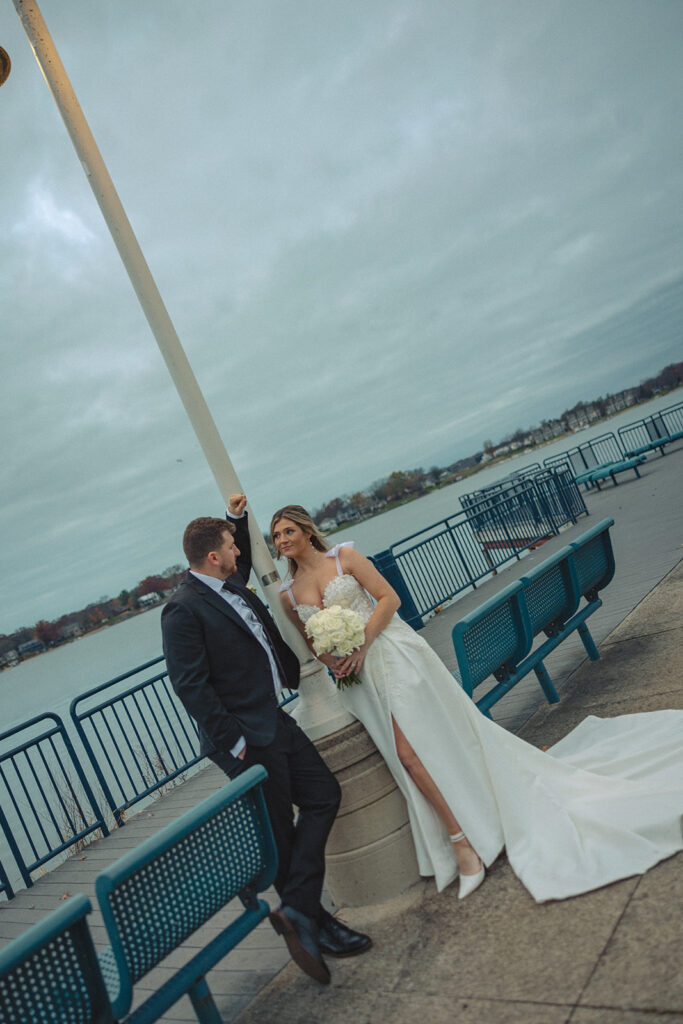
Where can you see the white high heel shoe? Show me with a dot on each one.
(468, 883)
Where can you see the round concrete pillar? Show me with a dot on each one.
(370, 855)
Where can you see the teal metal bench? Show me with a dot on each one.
(650, 446)
(609, 470)
(50, 974)
(654, 432)
(497, 638)
(157, 895)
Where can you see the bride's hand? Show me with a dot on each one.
(351, 663)
(329, 660)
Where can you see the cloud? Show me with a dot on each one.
(382, 232)
(46, 219)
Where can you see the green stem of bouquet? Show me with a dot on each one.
(350, 680)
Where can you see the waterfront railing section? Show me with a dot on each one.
(47, 804)
(496, 525)
(133, 738)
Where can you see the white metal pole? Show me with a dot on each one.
(167, 339)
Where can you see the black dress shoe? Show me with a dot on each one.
(301, 935)
(337, 939)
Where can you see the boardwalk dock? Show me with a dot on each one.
(607, 957)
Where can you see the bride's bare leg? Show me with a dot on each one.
(468, 861)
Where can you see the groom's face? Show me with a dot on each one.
(227, 554)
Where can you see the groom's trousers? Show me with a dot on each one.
(297, 775)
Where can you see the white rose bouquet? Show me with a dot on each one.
(338, 631)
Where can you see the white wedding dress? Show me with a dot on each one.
(604, 803)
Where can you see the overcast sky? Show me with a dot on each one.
(384, 231)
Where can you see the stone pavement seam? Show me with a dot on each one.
(579, 1005)
(635, 636)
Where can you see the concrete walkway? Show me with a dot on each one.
(614, 956)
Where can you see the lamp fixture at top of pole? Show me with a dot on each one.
(5, 66)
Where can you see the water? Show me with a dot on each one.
(50, 681)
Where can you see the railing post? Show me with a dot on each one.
(99, 774)
(83, 779)
(15, 851)
(5, 885)
(388, 566)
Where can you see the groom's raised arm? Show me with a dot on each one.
(241, 524)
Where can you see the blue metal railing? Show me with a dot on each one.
(139, 738)
(5, 885)
(598, 451)
(555, 494)
(661, 428)
(435, 564)
(47, 802)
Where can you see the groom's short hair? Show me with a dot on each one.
(203, 535)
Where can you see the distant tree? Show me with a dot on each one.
(377, 489)
(668, 378)
(94, 616)
(47, 632)
(395, 485)
(332, 510)
(174, 571)
(151, 585)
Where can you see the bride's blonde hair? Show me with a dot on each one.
(297, 514)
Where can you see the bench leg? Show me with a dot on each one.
(486, 711)
(203, 1004)
(546, 683)
(588, 642)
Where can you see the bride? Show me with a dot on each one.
(604, 803)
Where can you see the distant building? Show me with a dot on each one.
(147, 600)
(31, 647)
(72, 631)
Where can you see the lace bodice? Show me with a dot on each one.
(344, 590)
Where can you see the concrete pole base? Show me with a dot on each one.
(370, 856)
(319, 711)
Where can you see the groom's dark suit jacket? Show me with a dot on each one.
(217, 667)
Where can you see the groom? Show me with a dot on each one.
(228, 663)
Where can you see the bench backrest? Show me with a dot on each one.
(157, 895)
(491, 636)
(50, 973)
(550, 592)
(500, 633)
(594, 559)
